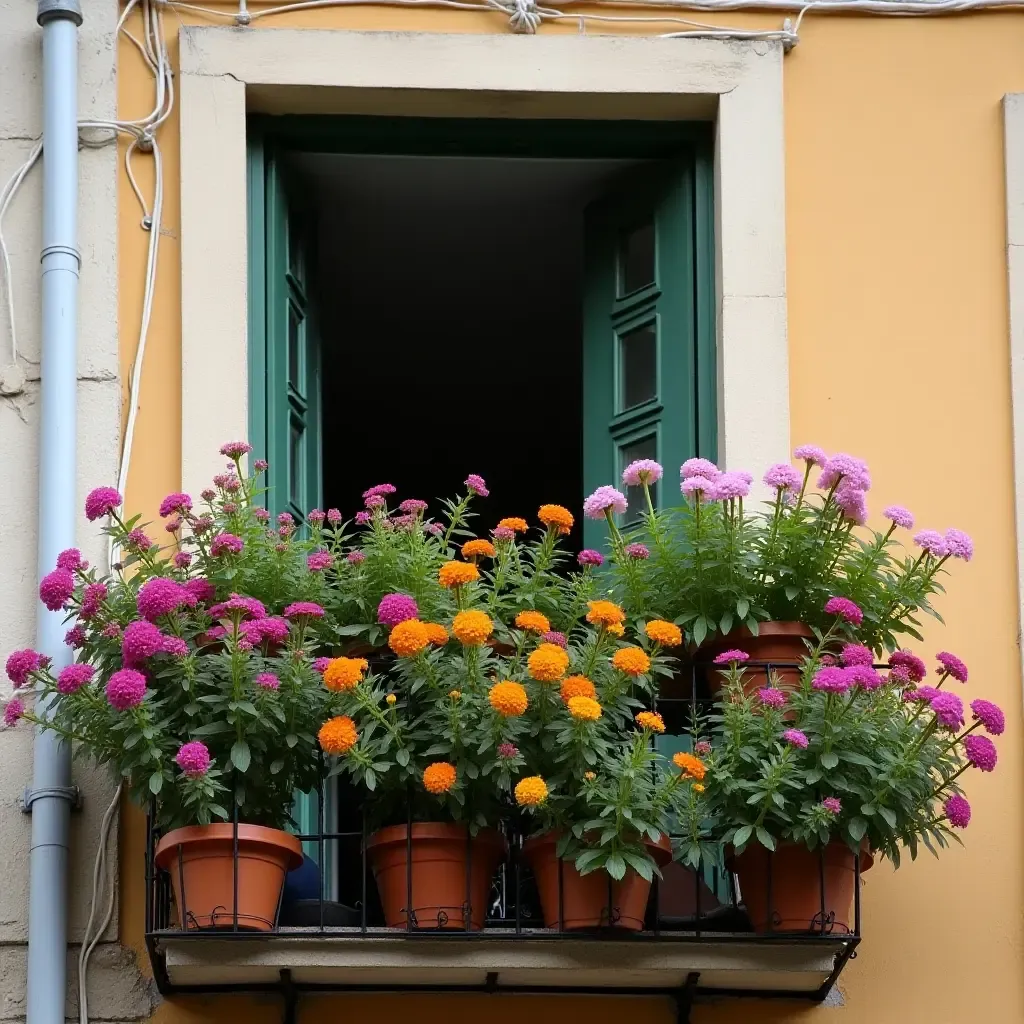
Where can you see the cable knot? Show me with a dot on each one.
(523, 16)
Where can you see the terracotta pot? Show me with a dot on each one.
(795, 903)
(449, 869)
(585, 898)
(200, 861)
(776, 644)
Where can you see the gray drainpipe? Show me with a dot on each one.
(51, 796)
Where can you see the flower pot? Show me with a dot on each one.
(449, 871)
(810, 890)
(776, 644)
(204, 873)
(589, 901)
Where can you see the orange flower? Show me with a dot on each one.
(692, 767)
(650, 720)
(698, 787)
(478, 549)
(472, 628)
(455, 574)
(668, 634)
(533, 622)
(577, 686)
(455, 694)
(605, 613)
(408, 638)
(584, 709)
(338, 735)
(556, 517)
(391, 700)
(631, 660)
(344, 673)
(508, 699)
(439, 777)
(617, 629)
(531, 791)
(436, 633)
(515, 524)
(548, 663)
(589, 776)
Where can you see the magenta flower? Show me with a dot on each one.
(731, 657)
(319, 560)
(111, 631)
(794, 737)
(235, 449)
(698, 467)
(267, 681)
(379, 491)
(916, 668)
(203, 525)
(730, 485)
(71, 560)
(406, 522)
(193, 758)
(949, 709)
(588, 556)
(21, 664)
(174, 646)
(950, 664)
(93, 597)
(101, 502)
(202, 590)
(207, 494)
(832, 679)
(413, 506)
(320, 665)
(853, 505)
(355, 557)
(75, 637)
(13, 710)
(303, 609)
(960, 544)
(435, 529)
(846, 469)
(811, 453)
(832, 804)
(262, 515)
(178, 502)
(476, 485)
(770, 697)
(638, 552)
(990, 715)
(315, 516)
(232, 484)
(922, 694)
(261, 465)
(508, 750)
(375, 501)
(141, 640)
(182, 559)
(272, 630)
(899, 515)
(248, 606)
(286, 519)
(932, 542)
(856, 654)
(138, 540)
(363, 518)
(642, 471)
(159, 596)
(981, 752)
(697, 485)
(552, 636)
(333, 515)
(958, 811)
(604, 499)
(74, 677)
(845, 609)
(396, 608)
(702, 748)
(503, 533)
(864, 676)
(126, 688)
(56, 588)
(783, 477)
(226, 544)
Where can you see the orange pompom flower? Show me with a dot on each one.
(515, 524)
(472, 628)
(533, 622)
(605, 613)
(692, 767)
(584, 709)
(439, 777)
(548, 663)
(408, 638)
(531, 791)
(617, 629)
(344, 673)
(590, 776)
(508, 699)
(650, 720)
(556, 517)
(456, 574)
(668, 634)
(478, 549)
(436, 633)
(577, 686)
(631, 660)
(338, 735)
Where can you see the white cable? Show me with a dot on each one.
(6, 197)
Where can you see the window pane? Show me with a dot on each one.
(638, 362)
(295, 348)
(295, 447)
(636, 259)
(644, 448)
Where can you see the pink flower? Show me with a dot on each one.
(406, 522)
(604, 499)
(730, 485)
(731, 657)
(207, 494)
(642, 471)
(921, 694)
(990, 715)
(396, 608)
(315, 516)
(958, 811)
(111, 631)
(21, 664)
(697, 485)
(375, 501)
(141, 640)
(75, 637)
(182, 559)
(698, 467)
(174, 525)
(981, 752)
(950, 664)
(235, 449)
(262, 515)
(300, 609)
(193, 758)
(794, 737)
(267, 681)
(74, 677)
(853, 504)
(261, 465)
(960, 544)
(101, 502)
(226, 543)
(811, 453)
(126, 688)
(916, 668)
(355, 557)
(846, 469)
(363, 518)
(379, 490)
(949, 709)
(476, 485)
(832, 804)
(413, 506)
(201, 589)
(174, 646)
(702, 748)
(771, 697)
(864, 676)
(137, 540)
(248, 606)
(178, 502)
(56, 588)
(845, 609)
(93, 596)
(159, 596)
(504, 533)
(554, 637)
(320, 665)
(71, 560)
(286, 519)
(933, 542)
(272, 630)
(13, 710)
(832, 679)
(319, 560)
(202, 525)
(856, 654)
(783, 477)
(435, 529)
(333, 515)
(899, 515)
(638, 552)
(508, 750)
(588, 556)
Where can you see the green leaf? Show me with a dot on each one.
(890, 817)
(211, 729)
(857, 828)
(371, 779)
(765, 839)
(829, 760)
(402, 756)
(156, 782)
(240, 756)
(276, 766)
(743, 834)
(700, 630)
(791, 592)
(726, 624)
(742, 607)
(615, 866)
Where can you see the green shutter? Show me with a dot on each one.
(648, 347)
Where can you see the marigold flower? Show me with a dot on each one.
(533, 622)
(337, 735)
(604, 613)
(515, 524)
(531, 791)
(589, 776)
(508, 699)
(650, 720)
(577, 686)
(548, 663)
(456, 574)
(408, 638)
(478, 549)
(698, 787)
(344, 673)
(617, 629)
(631, 660)
(584, 709)
(472, 628)
(692, 767)
(436, 633)
(439, 777)
(556, 517)
(391, 700)
(455, 694)
(668, 634)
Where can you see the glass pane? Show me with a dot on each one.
(636, 258)
(295, 447)
(638, 366)
(644, 448)
(295, 348)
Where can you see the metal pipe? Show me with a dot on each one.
(51, 796)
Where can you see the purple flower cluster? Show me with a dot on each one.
(303, 609)
(981, 752)
(175, 646)
(101, 502)
(832, 679)
(413, 506)
(701, 486)
(160, 596)
(832, 804)
(396, 608)
(93, 596)
(603, 500)
(590, 557)
(864, 676)
(642, 471)
(503, 533)
(899, 516)
(990, 715)
(138, 540)
(71, 560)
(273, 630)
(267, 681)
(355, 557)
(932, 542)
(794, 737)
(949, 709)
(202, 590)
(193, 758)
(770, 697)
(845, 609)
(698, 467)
(179, 503)
(75, 637)
(783, 477)
(731, 657)
(476, 485)
(319, 560)
(950, 664)
(13, 710)
(638, 552)
(914, 668)
(126, 688)
(247, 606)
(74, 677)
(226, 544)
(960, 544)
(958, 811)
(56, 588)
(141, 640)
(845, 470)
(21, 664)
(811, 453)
(856, 654)
(554, 637)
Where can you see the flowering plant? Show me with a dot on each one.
(711, 564)
(195, 679)
(854, 754)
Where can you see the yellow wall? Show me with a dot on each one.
(899, 353)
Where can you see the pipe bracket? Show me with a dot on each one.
(72, 794)
(47, 10)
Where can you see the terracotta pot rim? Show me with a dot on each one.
(769, 628)
(444, 831)
(867, 857)
(661, 851)
(258, 835)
